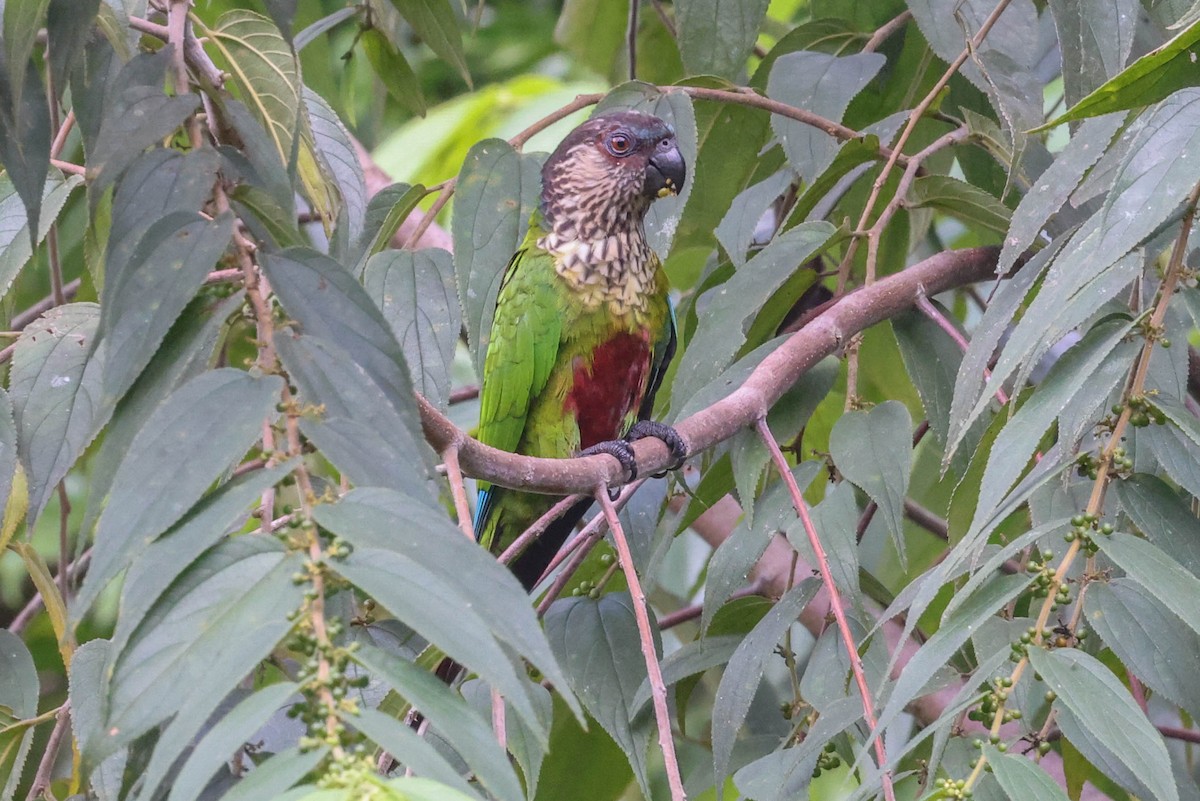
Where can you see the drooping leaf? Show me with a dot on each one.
(959, 199)
(1055, 185)
(213, 626)
(54, 387)
(393, 69)
(450, 716)
(1021, 779)
(437, 25)
(409, 748)
(744, 671)
(19, 693)
(238, 726)
(873, 450)
(68, 25)
(415, 291)
(597, 643)
(734, 304)
(198, 432)
(524, 744)
(739, 225)
(142, 300)
(387, 521)
(139, 116)
(1096, 38)
(691, 658)
(824, 85)
(1156, 573)
(278, 773)
(1163, 516)
(1147, 638)
(497, 190)
(24, 113)
(85, 690)
(388, 208)
(1098, 717)
(716, 37)
(266, 73)
(1149, 79)
(14, 227)
(337, 155)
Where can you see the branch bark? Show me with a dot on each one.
(822, 336)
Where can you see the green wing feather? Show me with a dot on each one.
(523, 347)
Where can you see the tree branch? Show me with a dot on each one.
(823, 335)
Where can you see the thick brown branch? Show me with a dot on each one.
(779, 371)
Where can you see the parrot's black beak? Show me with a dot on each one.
(665, 172)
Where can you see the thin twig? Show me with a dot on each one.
(464, 394)
(835, 600)
(631, 32)
(60, 138)
(64, 572)
(22, 319)
(498, 723)
(695, 610)
(41, 779)
(658, 688)
(458, 491)
(1178, 733)
(934, 313)
(535, 530)
(884, 32)
(66, 166)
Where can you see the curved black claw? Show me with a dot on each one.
(618, 449)
(670, 437)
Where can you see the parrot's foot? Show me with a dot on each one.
(618, 449)
(670, 437)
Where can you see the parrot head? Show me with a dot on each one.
(611, 168)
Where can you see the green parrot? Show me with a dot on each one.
(583, 329)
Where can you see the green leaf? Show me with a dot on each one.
(68, 25)
(142, 300)
(339, 161)
(1163, 516)
(1055, 185)
(1147, 638)
(737, 229)
(688, 660)
(266, 74)
(593, 33)
(437, 25)
(15, 247)
(745, 669)
(85, 690)
(224, 615)
(138, 117)
(1158, 574)
(391, 67)
(835, 519)
(1021, 779)
(438, 601)
(277, 774)
(822, 84)
(1073, 374)
(185, 352)
(1099, 718)
(282, 13)
(786, 773)
(8, 458)
(415, 291)
(20, 690)
(186, 443)
(236, 726)
(873, 450)
(525, 745)
(51, 373)
(24, 117)
(451, 717)
(598, 644)
(157, 567)
(22, 20)
(410, 788)
(497, 190)
(385, 212)
(409, 748)
(731, 562)
(1151, 78)
(268, 221)
(932, 359)
(716, 36)
(362, 430)
(733, 305)
(1096, 37)
(968, 203)
(257, 161)
(387, 522)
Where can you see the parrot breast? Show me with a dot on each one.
(606, 391)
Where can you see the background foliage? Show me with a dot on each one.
(230, 559)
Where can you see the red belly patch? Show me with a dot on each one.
(605, 392)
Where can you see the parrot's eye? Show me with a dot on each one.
(664, 144)
(620, 144)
